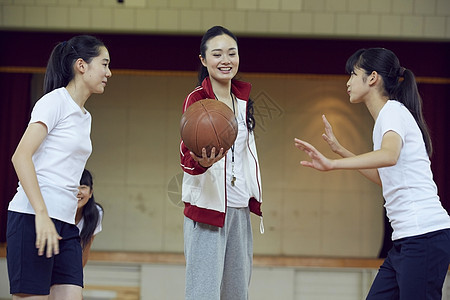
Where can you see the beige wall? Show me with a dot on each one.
(417, 19)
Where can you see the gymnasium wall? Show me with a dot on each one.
(292, 53)
(416, 19)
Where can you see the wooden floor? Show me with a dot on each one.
(121, 293)
(258, 260)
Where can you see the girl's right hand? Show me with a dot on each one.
(206, 161)
(46, 236)
(330, 138)
(318, 160)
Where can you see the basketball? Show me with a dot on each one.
(206, 124)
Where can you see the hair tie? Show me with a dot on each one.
(401, 71)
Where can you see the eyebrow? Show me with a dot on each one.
(222, 50)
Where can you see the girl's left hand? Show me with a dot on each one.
(318, 161)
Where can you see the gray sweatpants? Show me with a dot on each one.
(219, 260)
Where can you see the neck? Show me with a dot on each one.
(375, 105)
(221, 89)
(78, 95)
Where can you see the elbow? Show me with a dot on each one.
(391, 161)
(19, 158)
(15, 159)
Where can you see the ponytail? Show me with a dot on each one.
(408, 94)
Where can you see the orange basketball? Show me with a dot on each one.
(206, 124)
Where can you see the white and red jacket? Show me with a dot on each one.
(204, 189)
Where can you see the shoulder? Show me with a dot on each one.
(99, 207)
(51, 98)
(197, 94)
(241, 89)
(392, 107)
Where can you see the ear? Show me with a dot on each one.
(373, 78)
(202, 60)
(80, 65)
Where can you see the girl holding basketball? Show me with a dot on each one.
(220, 190)
(416, 266)
(44, 254)
(89, 214)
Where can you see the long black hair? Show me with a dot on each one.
(60, 64)
(90, 211)
(203, 71)
(387, 65)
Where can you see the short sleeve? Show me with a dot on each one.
(391, 119)
(100, 219)
(48, 110)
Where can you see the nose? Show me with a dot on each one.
(348, 82)
(226, 59)
(109, 73)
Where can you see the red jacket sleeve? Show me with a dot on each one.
(188, 164)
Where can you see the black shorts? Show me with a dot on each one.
(30, 273)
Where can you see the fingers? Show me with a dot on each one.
(306, 163)
(206, 161)
(53, 245)
(47, 239)
(325, 121)
(48, 244)
(302, 145)
(213, 150)
(326, 138)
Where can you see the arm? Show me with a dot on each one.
(46, 234)
(191, 163)
(336, 147)
(87, 250)
(386, 156)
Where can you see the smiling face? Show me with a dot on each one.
(357, 85)
(84, 194)
(221, 58)
(98, 72)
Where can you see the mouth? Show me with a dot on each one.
(225, 69)
(104, 83)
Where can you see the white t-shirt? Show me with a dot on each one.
(62, 156)
(99, 223)
(238, 195)
(412, 203)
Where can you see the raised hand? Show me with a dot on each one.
(318, 161)
(330, 138)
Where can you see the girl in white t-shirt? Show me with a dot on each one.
(417, 264)
(49, 161)
(89, 214)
